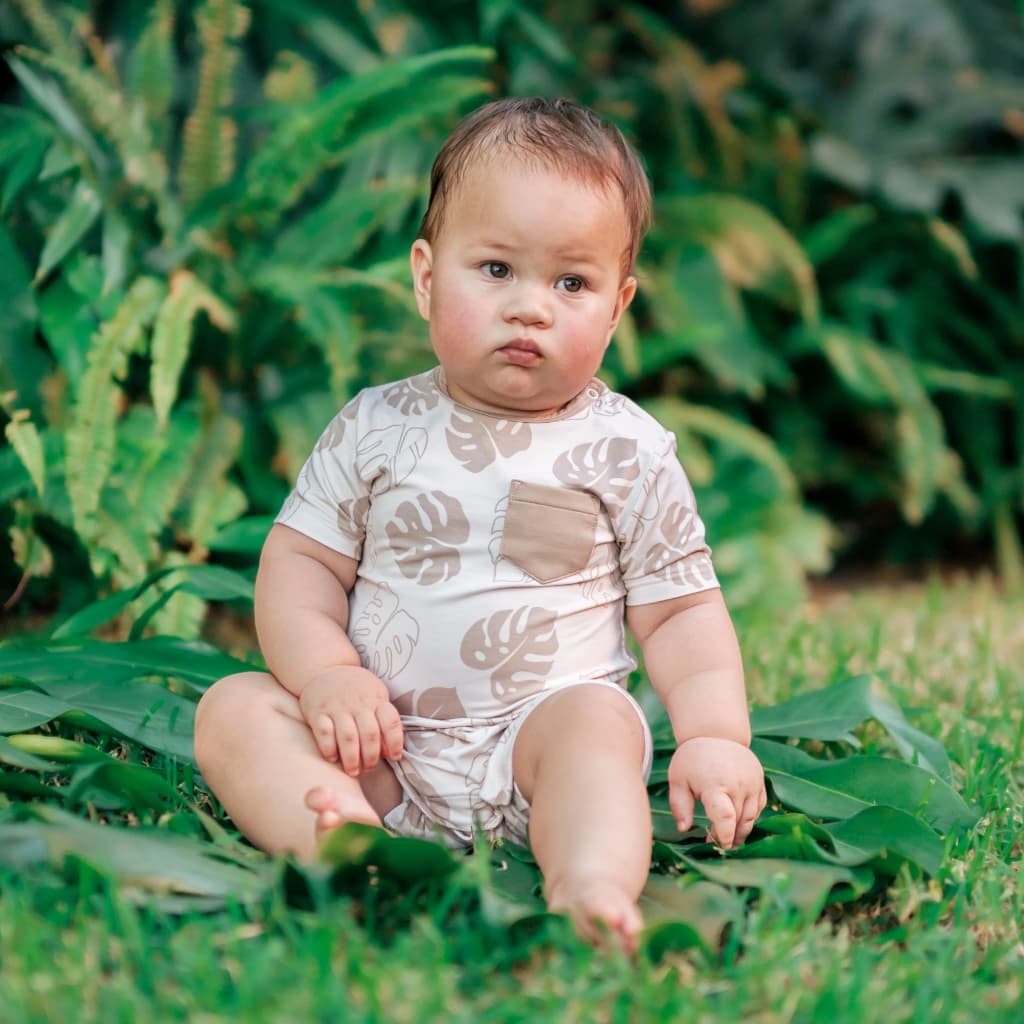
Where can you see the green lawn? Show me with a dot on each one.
(942, 949)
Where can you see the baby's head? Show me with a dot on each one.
(524, 261)
(552, 135)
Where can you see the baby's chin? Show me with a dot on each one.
(512, 405)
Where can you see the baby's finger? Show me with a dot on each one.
(749, 814)
(348, 743)
(326, 741)
(391, 734)
(369, 738)
(723, 815)
(681, 801)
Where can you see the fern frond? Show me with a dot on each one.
(126, 551)
(212, 509)
(91, 433)
(181, 614)
(321, 133)
(23, 437)
(172, 336)
(152, 467)
(207, 158)
(122, 123)
(330, 324)
(216, 453)
(48, 29)
(101, 55)
(153, 62)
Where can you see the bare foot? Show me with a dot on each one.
(331, 815)
(599, 908)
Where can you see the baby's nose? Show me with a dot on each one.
(530, 305)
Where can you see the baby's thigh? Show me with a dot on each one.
(581, 723)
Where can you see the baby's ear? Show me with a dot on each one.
(626, 292)
(421, 258)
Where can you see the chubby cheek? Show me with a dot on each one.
(585, 344)
(453, 325)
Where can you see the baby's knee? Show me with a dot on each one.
(221, 710)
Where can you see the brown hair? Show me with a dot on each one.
(555, 133)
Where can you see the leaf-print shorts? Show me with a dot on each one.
(456, 775)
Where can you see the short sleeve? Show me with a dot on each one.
(664, 554)
(331, 501)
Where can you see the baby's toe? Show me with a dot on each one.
(324, 804)
(321, 799)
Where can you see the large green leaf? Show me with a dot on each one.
(681, 913)
(51, 661)
(22, 709)
(877, 833)
(143, 712)
(796, 883)
(831, 714)
(881, 837)
(840, 789)
(146, 862)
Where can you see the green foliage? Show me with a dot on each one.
(841, 825)
(172, 243)
(830, 307)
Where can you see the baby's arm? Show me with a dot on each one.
(693, 661)
(302, 593)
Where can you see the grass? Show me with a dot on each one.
(935, 950)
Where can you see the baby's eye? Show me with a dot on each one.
(571, 283)
(495, 269)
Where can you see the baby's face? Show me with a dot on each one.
(523, 286)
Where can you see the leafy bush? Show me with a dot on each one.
(191, 265)
(206, 209)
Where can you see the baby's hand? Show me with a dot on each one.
(726, 778)
(352, 718)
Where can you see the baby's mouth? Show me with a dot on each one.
(522, 352)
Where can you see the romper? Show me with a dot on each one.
(495, 556)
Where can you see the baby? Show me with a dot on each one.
(441, 601)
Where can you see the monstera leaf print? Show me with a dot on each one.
(439, 703)
(412, 397)
(384, 635)
(676, 556)
(477, 442)
(394, 450)
(610, 403)
(352, 513)
(517, 647)
(647, 510)
(334, 434)
(608, 467)
(425, 535)
(505, 571)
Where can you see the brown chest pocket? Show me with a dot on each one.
(549, 531)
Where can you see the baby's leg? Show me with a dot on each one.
(259, 757)
(578, 760)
